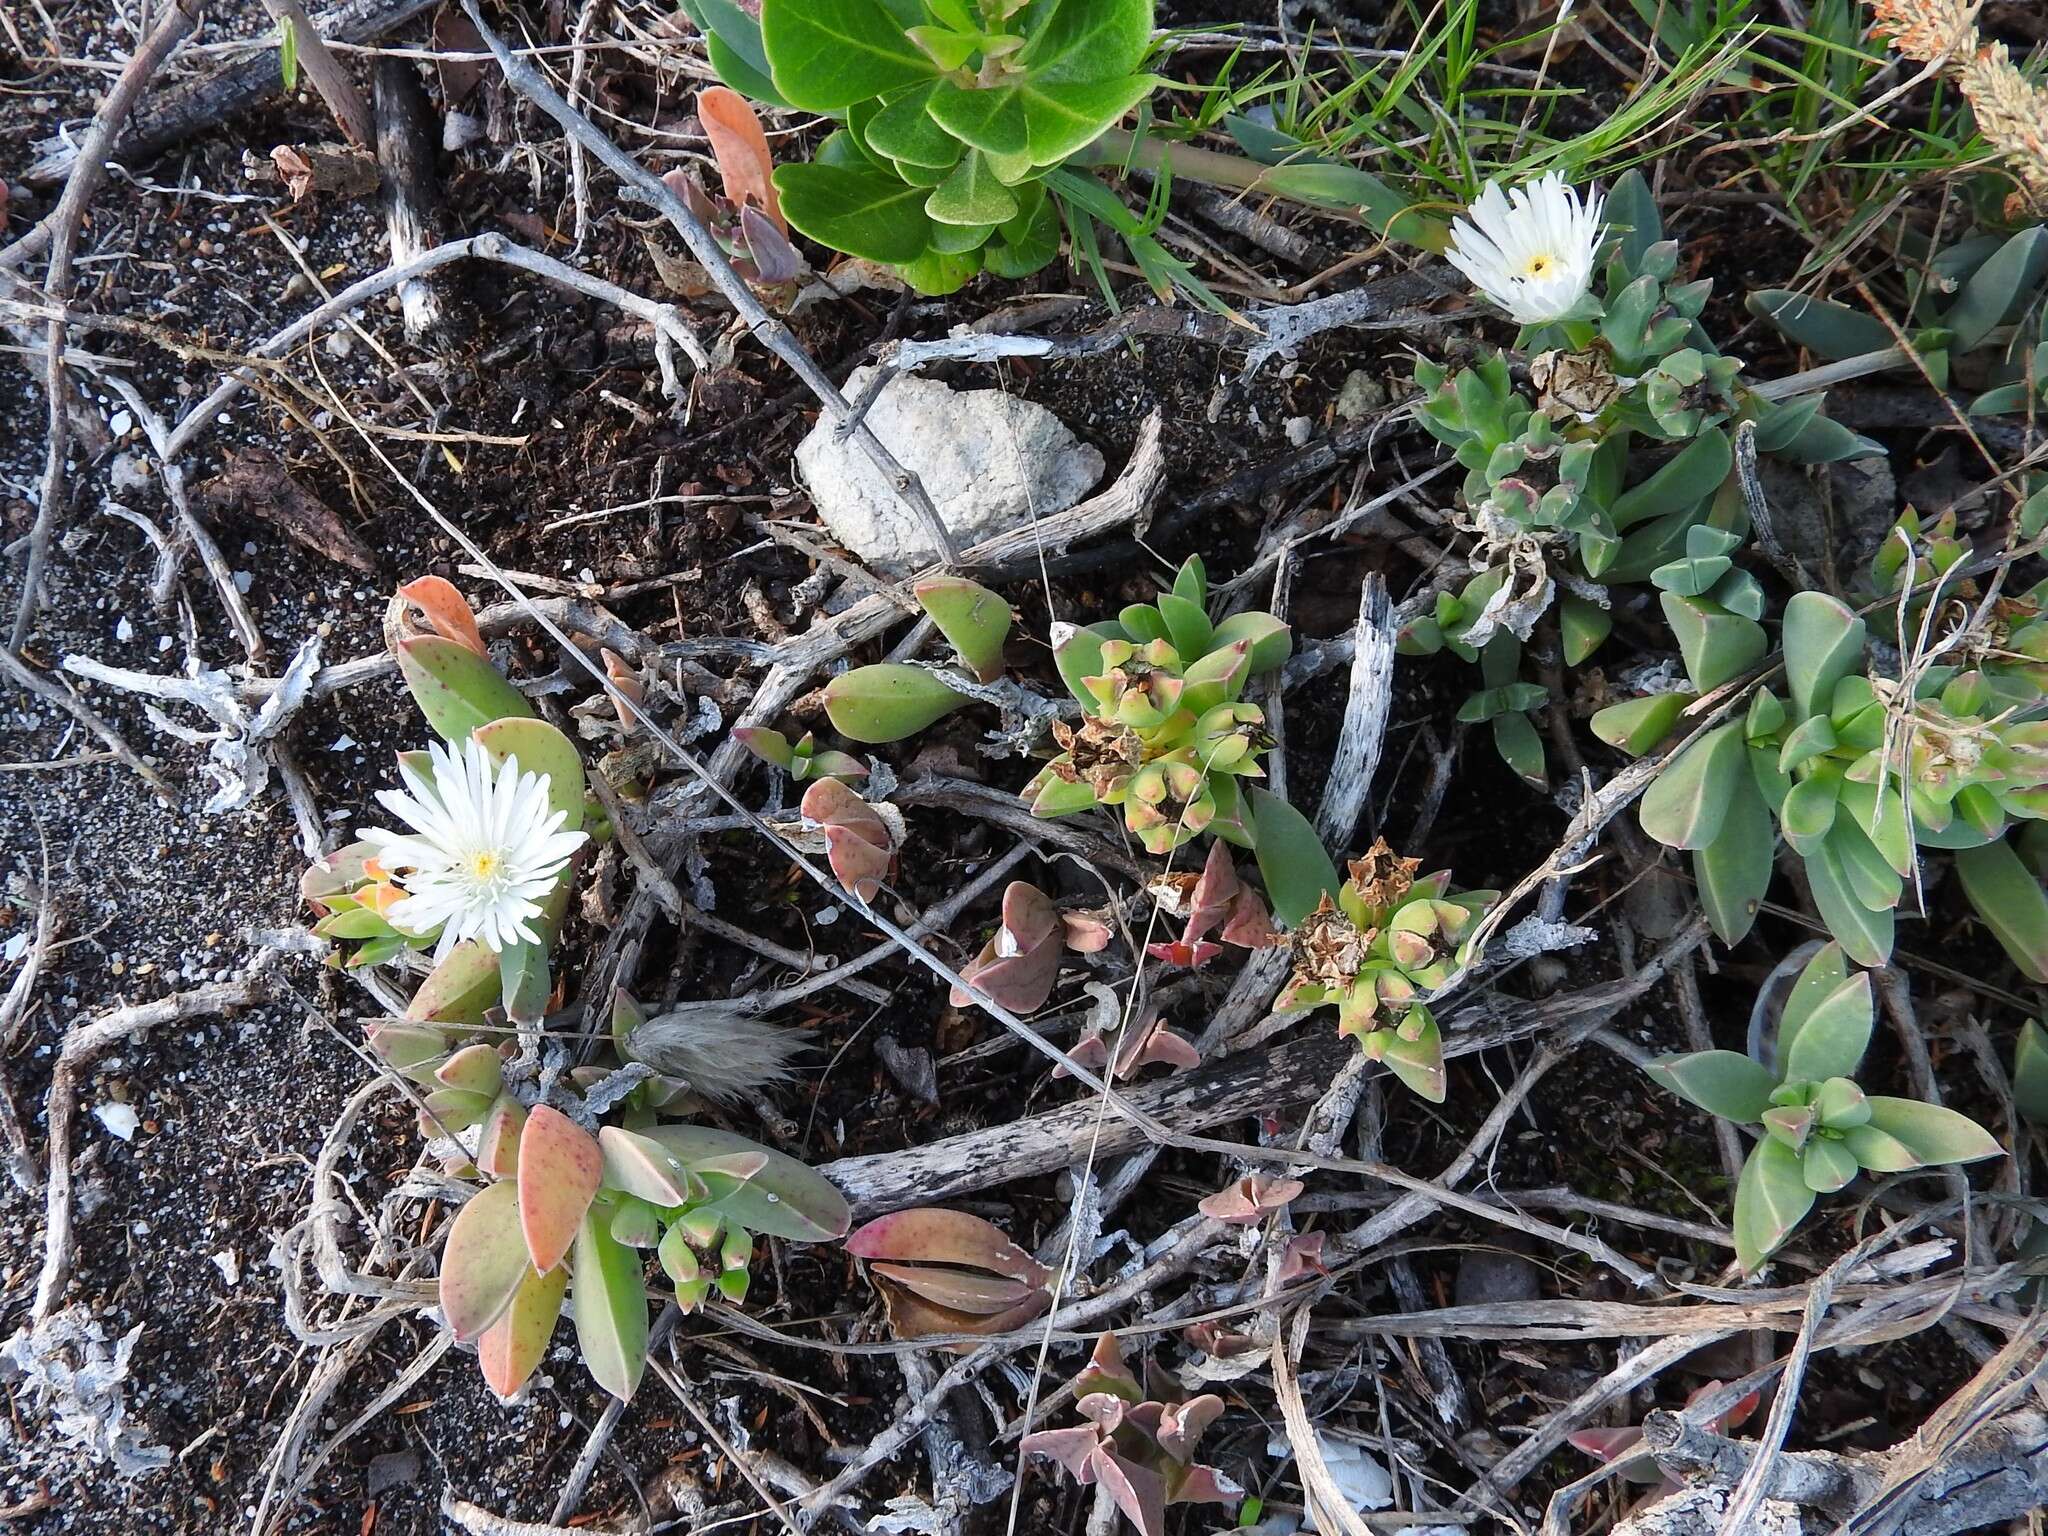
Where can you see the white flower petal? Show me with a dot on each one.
(1532, 250)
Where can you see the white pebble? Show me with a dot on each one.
(119, 1119)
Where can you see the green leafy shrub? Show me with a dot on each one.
(955, 117)
(1818, 1128)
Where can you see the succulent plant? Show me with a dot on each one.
(956, 117)
(1982, 316)
(1852, 771)
(2030, 1072)
(1167, 735)
(1818, 1128)
(859, 844)
(2006, 643)
(466, 699)
(746, 219)
(569, 1211)
(1021, 960)
(1215, 901)
(802, 760)
(1385, 943)
(942, 1271)
(1250, 1200)
(1139, 1441)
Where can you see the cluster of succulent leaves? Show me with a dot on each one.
(1139, 1441)
(1386, 942)
(1979, 312)
(1554, 487)
(1167, 734)
(2006, 641)
(1818, 1128)
(463, 697)
(1850, 769)
(746, 217)
(956, 118)
(565, 1210)
(950, 1272)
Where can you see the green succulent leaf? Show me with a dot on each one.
(2030, 1072)
(887, 702)
(1771, 1198)
(1833, 1035)
(1833, 330)
(483, 1261)
(1724, 1083)
(1297, 869)
(1865, 935)
(1932, 1134)
(1683, 482)
(1998, 288)
(456, 689)
(784, 1199)
(1582, 627)
(609, 1304)
(1823, 640)
(1636, 726)
(1083, 40)
(1733, 872)
(1687, 804)
(1827, 1165)
(974, 620)
(2009, 900)
(1717, 645)
(512, 1348)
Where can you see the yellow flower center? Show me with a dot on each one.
(484, 864)
(1538, 266)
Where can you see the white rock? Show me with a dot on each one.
(1300, 429)
(119, 1119)
(229, 1263)
(120, 424)
(989, 460)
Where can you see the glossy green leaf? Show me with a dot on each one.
(1688, 802)
(461, 989)
(1271, 641)
(971, 195)
(1932, 1134)
(1771, 1198)
(524, 982)
(1063, 118)
(1808, 813)
(609, 1304)
(887, 701)
(1878, 1151)
(825, 55)
(1724, 1083)
(855, 209)
(2010, 902)
(640, 1166)
(1088, 39)
(1296, 867)
(483, 1261)
(1631, 211)
(456, 689)
(1520, 747)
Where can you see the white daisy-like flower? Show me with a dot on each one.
(484, 848)
(1531, 250)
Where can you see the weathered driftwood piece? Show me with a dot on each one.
(1996, 1474)
(411, 193)
(1357, 757)
(1211, 1094)
(198, 104)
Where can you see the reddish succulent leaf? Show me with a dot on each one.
(911, 1316)
(627, 681)
(1086, 935)
(513, 1347)
(1250, 1199)
(1607, 1444)
(1140, 1493)
(483, 1261)
(858, 843)
(560, 1168)
(1073, 1449)
(497, 1151)
(746, 165)
(934, 1235)
(960, 1290)
(1106, 1372)
(445, 610)
(1205, 1485)
(474, 1069)
(1302, 1256)
(1250, 925)
(1181, 1424)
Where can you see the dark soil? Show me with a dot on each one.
(176, 1226)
